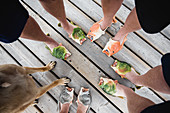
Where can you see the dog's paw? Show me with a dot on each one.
(64, 81)
(51, 65)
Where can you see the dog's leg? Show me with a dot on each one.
(62, 81)
(23, 108)
(49, 66)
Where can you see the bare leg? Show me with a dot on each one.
(110, 7)
(132, 24)
(32, 31)
(56, 8)
(65, 108)
(153, 79)
(81, 108)
(135, 102)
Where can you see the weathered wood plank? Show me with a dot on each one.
(69, 6)
(94, 10)
(62, 69)
(166, 31)
(86, 23)
(6, 59)
(44, 78)
(134, 42)
(77, 81)
(31, 109)
(155, 38)
(131, 4)
(44, 104)
(93, 74)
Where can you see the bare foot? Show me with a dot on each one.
(105, 24)
(119, 38)
(51, 43)
(121, 34)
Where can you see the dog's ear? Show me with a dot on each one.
(5, 84)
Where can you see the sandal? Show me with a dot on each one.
(84, 98)
(109, 86)
(77, 34)
(59, 52)
(95, 31)
(121, 68)
(65, 97)
(113, 47)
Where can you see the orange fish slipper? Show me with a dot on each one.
(95, 31)
(113, 46)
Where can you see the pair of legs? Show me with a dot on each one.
(154, 79)
(83, 100)
(110, 7)
(55, 8)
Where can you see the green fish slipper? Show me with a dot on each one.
(121, 68)
(77, 34)
(59, 52)
(109, 86)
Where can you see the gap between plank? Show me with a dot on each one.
(109, 33)
(51, 70)
(124, 45)
(159, 32)
(32, 76)
(133, 32)
(79, 50)
(67, 62)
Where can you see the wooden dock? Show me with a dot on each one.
(87, 62)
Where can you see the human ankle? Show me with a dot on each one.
(104, 25)
(68, 28)
(134, 79)
(121, 34)
(65, 108)
(81, 108)
(65, 25)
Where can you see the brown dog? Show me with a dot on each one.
(18, 90)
